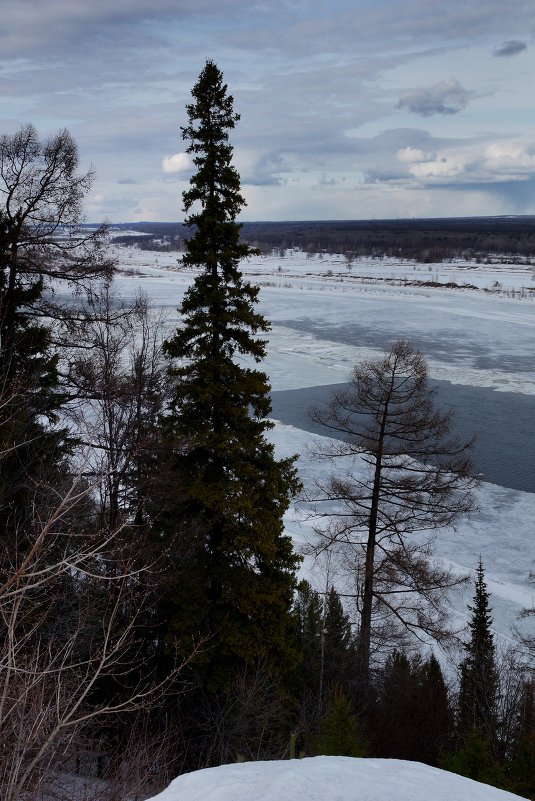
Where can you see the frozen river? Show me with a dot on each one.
(479, 344)
(501, 421)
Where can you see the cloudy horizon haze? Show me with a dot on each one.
(350, 109)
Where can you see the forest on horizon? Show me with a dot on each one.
(424, 240)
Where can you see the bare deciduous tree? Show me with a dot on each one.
(45, 251)
(119, 383)
(44, 241)
(41, 194)
(68, 629)
(407, 475)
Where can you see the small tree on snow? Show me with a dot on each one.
(478, 693)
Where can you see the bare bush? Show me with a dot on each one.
(69, 655)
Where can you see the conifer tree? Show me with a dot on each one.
(29, 399)
(412, 717)
(339, 645)
(478, 693)
(309, 613)
(326, 643)
(435, 712)
(234, 488)
(340, 730)
(522, 767)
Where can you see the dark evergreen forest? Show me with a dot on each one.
(427, 240)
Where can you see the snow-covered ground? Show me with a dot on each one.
(328, 778)
(502, 532)
(326, 317)
(322, 324)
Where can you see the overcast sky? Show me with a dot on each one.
(350, 109)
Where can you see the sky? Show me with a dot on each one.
(350, 109)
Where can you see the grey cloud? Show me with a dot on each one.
(446, 97)
(519, 195)
(341, 26)
(307, 85)
(128, 181)
(264, 172)
(67, 19)
(510, 48)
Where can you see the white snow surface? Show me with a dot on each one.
(320, 312)
(325, 318)
(328, 779)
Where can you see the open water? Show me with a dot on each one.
(503, 423)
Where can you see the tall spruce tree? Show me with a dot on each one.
(235, 490)
(478, 692)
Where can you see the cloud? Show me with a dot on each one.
(179, 162)
(443, 167)
(263, 171)
(510, 160)
(413, 155)
(498, 162)
(316, 85)
(387, 157)
(510, 48)
(446, 97)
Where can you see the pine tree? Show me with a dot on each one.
(308, 613)
(339, 661)
(436, 713)
(234, 488)
(412, 716)
(30, 450)
(478, 693)
(340, 730)
(394, 712)
(325, 642)
(521, 772)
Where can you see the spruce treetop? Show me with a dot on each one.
(216, 183)
(215, 186)
(481, 620)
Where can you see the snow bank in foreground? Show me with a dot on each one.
(328, 779)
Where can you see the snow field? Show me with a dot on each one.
(328, 779)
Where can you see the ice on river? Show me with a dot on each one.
(326, 317)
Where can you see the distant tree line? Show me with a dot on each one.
(426, 240)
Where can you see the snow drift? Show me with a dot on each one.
(328, 779)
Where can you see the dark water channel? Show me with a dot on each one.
(503, 422)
